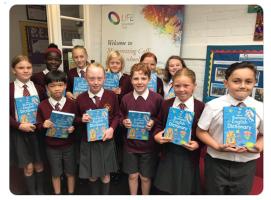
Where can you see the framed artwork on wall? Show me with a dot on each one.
(34, 40)
(36, 12)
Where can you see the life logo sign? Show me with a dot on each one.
(114, 18)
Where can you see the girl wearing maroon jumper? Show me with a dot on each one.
(115, 64)
(139, 157)
(178, 170)
(79, 56)
(150, 59)
(52, 60)
(97, 158)
(58, 149)
(25, 146)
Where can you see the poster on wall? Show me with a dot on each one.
(34, 41)
(136, 29)
(219, 58)
(258, 33)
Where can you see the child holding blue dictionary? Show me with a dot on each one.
(26, 150)
(97, 158)
(230, 169)
(59, 150)
(140, 156)
(182, 160)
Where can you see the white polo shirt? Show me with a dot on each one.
(211, 120)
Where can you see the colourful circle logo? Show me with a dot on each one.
(114, 18)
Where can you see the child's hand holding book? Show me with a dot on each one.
(48, 124)
(27, 127)
(161, 139)
(86, 118)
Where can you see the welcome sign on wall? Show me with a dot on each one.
(136, 29)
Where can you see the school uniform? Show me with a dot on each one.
(74, 72)
(138, 155)
(25, 147)
(39, 78)
(125, 85)
(168, 90)
(228, 172)
(98, 158)
(178, 169)
(58, 149)
(160, 86)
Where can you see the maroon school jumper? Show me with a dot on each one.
(162, 120)
(160, 87)
(16, 135)
(39, 78)
(109, 100)
(152, 104)
(71, 74)
(13, 123)
(125, 85)
(44, 112)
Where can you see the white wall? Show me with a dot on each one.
(214, 25)
(95, 33)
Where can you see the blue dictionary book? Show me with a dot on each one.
(139, 122)
(239, 126)
(170, 94)
(179, 126)
(153, 82)
(62, 121)
(80, 85)
(98, 124)
(111, 80)
(26, 108)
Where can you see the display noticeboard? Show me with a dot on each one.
(219, 58)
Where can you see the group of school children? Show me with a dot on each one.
(171, 168)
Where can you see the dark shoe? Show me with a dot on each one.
(115, 178)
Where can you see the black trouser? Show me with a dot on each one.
(228, 177)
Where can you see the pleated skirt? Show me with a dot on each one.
(97, 159)
(177, 173)
(25, 148)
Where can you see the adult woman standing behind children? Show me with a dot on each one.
(79, 56)
(230, 169)
(53, 59)
(173, 64)
(24, 137)
(150, 59)
(178, 171)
